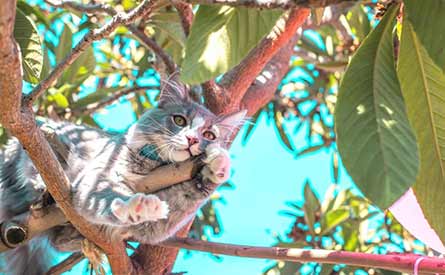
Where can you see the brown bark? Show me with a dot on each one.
(272, 4)
(236, 82)
(397, 262)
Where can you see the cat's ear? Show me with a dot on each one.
(173, 92)
(232, 121)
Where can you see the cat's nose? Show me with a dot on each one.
(192, 140)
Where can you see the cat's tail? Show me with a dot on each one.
(34, 258)
(20, 186)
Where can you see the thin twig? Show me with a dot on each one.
(96, 34)
(93, 107)
(66, 264)
(396, 262)
(107, 9)
(151, 44)
(185, 12)
(271, 4)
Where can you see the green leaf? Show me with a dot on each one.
(29, 10)
(221, 37)
(81, 69)
(375, 140)
(310, 45)
(282, 130)
(423, 86)
(333, 218)
(65, 44)
(358, 21)
(427, 19)
(26, 35)
(350, 235)
(311, 206)
(169, 34)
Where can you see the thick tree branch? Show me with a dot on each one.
(119, 19)
(107, 9)
(271, 4)
(236, 82)
(39, 220)
(396, 262)
(265, 85)
(158, 259)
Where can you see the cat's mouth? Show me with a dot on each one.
(192, 150)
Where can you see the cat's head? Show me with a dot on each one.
(180, 128)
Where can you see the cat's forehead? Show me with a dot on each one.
(198, 113)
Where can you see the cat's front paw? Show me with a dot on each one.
(217, 168)
(139, 208)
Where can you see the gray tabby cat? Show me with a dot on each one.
(102, 168)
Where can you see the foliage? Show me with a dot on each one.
(389, 124)
(345, 221)
(375, 139)
(221, 37)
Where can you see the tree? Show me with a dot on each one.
(252, 68)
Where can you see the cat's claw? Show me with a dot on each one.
(139, 208)
(217, 168)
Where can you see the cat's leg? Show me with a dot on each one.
(139, 208)
(114, 204)
(217, 168)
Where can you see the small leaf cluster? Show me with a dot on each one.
(345, 221)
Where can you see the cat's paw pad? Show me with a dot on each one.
(139, 208)
(217, 168)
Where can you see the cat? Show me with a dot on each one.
(102, 168)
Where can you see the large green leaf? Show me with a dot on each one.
(427, 18)
(26, 35)
(423, 86)
(375, 139)
(221, 37)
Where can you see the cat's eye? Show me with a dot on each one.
(179, 120)
(209, 135)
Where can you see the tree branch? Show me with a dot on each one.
(265, 85)
(271, 4)
(396, 262)
(107, 9)
(38, 220)
(66, 265)
(239, 79)
(119, 19)
(185, 12)
(91, 108)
